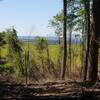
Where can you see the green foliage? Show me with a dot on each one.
(2, 38)
(57, 23)
(12, 40)
(41, 44)
(13, 58)
(84, 1)
(75, 17)
(35, 68)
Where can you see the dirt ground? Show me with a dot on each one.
(50, 90)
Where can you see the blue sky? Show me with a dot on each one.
(28, 16)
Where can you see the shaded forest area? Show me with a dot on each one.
(64, 70)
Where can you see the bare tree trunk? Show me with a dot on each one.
(87, 9)
(70, 39)
(93, 52)
(48, 57)
(59, 54)
(69, 56)
(65, 42)
(83, 50)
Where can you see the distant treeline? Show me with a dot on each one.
(51, 40)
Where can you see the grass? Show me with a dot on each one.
(76, 63)
(53, 51)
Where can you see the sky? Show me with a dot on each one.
(29, 17)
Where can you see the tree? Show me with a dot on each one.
(57, 23)
(2, 41)
(87, 32)
(72, 20)
(12, 40)
(2, 38)
(94, 49)
(78, 19)
(14, 48)
(63, 70)
(41, 46)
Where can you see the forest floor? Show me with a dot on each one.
(50, 90)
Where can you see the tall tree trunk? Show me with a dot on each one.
(83, 51)
(59, 56)
(63, 70)
(48, 57)
(87, 15)
(93, 52)
(70, 39)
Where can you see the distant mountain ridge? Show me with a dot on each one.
(51, 39)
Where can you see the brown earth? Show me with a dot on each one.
(50, 90)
